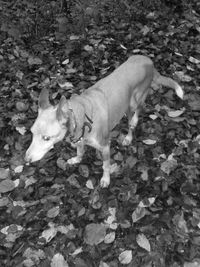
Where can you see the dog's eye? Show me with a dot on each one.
(46, 138)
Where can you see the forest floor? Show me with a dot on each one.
(53, 214)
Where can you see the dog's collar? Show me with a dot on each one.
(88, 124)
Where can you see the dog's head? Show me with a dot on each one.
(50, 127)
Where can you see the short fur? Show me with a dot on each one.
(105, 103)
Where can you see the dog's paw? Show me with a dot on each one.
(127, 140)
(74, 160)
(105, 181)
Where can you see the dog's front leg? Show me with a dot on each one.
(80, 152)
(105, 180)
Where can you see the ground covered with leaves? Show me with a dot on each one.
(53, 214)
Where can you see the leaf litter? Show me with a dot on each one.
(53, 215)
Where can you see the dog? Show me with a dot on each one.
(88, 118)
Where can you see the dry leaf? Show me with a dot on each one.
(88, 48)
(183, 77)
(126, 257)
(21, 130)
(4, 173)
(109, 238)
(146, 202)
(58, 261)
(103, 264)
(149, 142)
(194, 60)
(143, 242)
(89, 184)
(6, 186)
(49, 234)
(52, 213)
(84, 170)
(153, 117)
(195, 263)
(175, 113)
(34, 61)
(66, 61)
(65, 85)
(94, 233)
(168, 166)
(19, 169)
(139, 213)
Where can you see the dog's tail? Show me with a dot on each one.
(168, 82)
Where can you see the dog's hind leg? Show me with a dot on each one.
(133, 121)
(105, 180)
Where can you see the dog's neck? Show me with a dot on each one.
(83, 113)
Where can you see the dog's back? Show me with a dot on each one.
(127, 82)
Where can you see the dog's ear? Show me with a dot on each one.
(62, 109)
(43, 101)
(65, 114)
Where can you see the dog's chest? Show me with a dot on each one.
(93, 142)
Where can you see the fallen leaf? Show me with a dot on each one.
(49, 234)
(34, 255)
(73, 181)
(114, 168)
(175, 113)
(88, 48)
(123, 47)
(65, 85)
(168, 166)
(34, 61)
(16, 182)
(52, 213)
(66, 61)
(11, 229)
(194, 60)
(30, 181)
(153, 116)
(4, 201)
(139, 213)
(144, 175)
(21, 130)
(195, 263)
(183, 77)
(77, 251)
(126, 257)
(143, 242)
(19, 169)
(150, 15)
(65, 229)
(145, 30)
(62, 164)
(109, 238)
(125, 224)
(84, 170)
(6, 186)
(180, 223)
(4, 173)
(146, 202)
(58, 261)
(94, 233)
(74, 37)
(131, 161)
(149, 142)
(81, 212)
(103, 264)
(111, 219)
(194, 101)
(89, 184)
